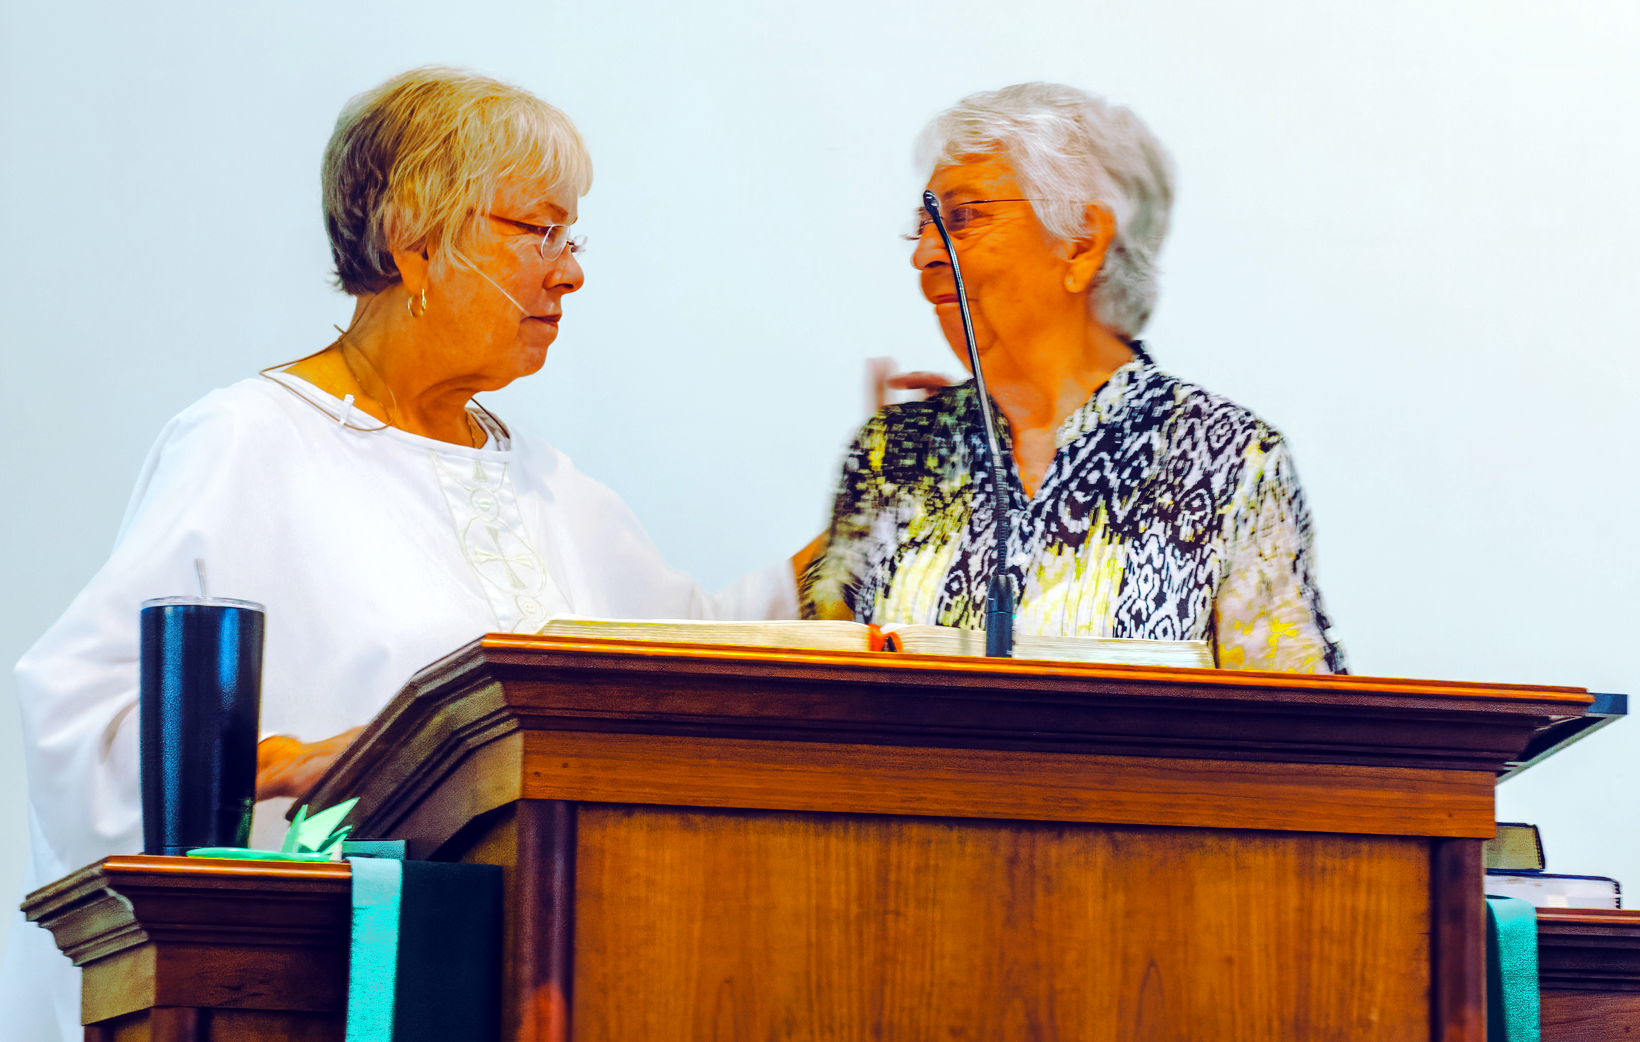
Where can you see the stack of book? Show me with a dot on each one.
(1515, 868)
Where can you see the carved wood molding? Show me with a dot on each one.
(504, 649)
(153, 932)
(1589, 949)
(469, 706)
(125, 901)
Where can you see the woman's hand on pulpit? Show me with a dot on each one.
(287, 767)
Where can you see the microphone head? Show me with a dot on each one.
(931, 204)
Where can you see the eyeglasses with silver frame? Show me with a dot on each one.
(958, 217)
(554, 237)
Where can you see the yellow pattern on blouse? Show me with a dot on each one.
(1168, 513)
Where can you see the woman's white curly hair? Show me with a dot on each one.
(1069, 149)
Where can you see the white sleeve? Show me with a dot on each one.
(77, 686)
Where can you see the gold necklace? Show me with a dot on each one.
(476, 435)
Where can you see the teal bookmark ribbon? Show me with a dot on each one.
(373, 969)
(1511, 971)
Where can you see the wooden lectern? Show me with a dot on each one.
(731, 843)
(719, 843)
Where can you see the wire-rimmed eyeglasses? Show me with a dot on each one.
(958, 217)
(554, 237)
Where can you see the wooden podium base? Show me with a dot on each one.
(692, 924)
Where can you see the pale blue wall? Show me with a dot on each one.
(1405, 234)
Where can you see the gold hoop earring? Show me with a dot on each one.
(411, 304)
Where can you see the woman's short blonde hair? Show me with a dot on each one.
(414, 162)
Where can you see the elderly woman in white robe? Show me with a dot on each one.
(380, 514)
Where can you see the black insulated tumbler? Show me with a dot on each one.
(198, 714)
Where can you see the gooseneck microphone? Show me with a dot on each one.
(999, 598)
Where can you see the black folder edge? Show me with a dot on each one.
(1607, 709)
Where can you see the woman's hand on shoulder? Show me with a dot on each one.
(881, 379)
(288, 767)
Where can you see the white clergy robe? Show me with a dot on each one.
(374, 552)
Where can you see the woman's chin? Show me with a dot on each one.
(535, 338)
(531, 359)
(523, 360)
(951, 325)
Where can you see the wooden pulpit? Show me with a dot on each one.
(705, 843)
(721, 843)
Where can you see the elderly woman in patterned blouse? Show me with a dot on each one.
(1143, 506)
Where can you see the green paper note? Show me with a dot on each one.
(252, 854)
(295, 830)
(315, 833)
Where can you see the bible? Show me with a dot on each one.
(907, 638)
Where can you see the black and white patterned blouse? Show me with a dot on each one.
(1168, 513)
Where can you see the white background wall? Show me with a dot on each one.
(1405, 234)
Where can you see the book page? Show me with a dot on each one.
(946, 640)
(811, 636)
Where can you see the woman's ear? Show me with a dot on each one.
(1087, 254)
(413, 266)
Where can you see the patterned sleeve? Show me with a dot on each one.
(832, 580)
(1267, 612)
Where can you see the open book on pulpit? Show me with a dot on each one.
(909, 638)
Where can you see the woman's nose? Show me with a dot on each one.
(930, 249)
(566, 273)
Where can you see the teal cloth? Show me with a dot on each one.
(373, 966)
(1511, 971)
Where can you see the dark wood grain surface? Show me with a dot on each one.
(1457, 903)
(983, 783)
(966, 783)
(1589, 971)
(1589, 1016)
(1589, 949)
(738, 925)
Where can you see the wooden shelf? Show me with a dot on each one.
(260, 946)
(1589, 974)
